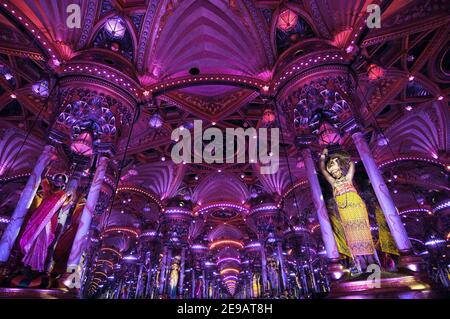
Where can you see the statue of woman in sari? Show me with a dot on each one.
(352, 210)
(39, 231)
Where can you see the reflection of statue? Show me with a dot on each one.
(39, 232)
(255, 285)
(352, 210)
(273, 275)
(174, 275)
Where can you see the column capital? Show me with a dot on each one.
(56, 136)
(305, 140)
(106, 149)
(352, 125)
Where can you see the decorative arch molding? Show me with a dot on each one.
(130, 27)
(168, 85)
(300, 12)
(140, 190)
(43, 39)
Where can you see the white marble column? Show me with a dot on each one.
(319, 203)
(81, 237)
(26, 198)
(382, 192)
(263, 268)
(182, 265)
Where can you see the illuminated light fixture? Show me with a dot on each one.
(4, 220)
(13, 96)
(441, 206)
(268, 116)
(150, 233)
(199, 247)
(435, 242)
(408, 108)
(440, 98)
(227, 270)
(264, 208)
(8, 76)
(375, 72)
(130, 257)
(253, 245)
(115, 27)
(40, 88)
(155, 120)
(287, 20)
(178, 211)
(411, 78)
(226, 242)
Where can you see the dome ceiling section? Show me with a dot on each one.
(220, 187)
(50, 18)
(162, 178)
(289, 172)
(211, 108)
(210, 36)
(15, 42)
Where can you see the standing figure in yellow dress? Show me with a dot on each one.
(352, 210)
(174, 276)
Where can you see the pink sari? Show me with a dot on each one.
(40, 231)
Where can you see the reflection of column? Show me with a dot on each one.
(148, 262)
(204, 290)
(81, 236)
(182, 262)
(139, 281)
(381, 191)
(193, 283)
(319, 203)
(263, 268)
(163, 270)
(26, 198)
(282, 269)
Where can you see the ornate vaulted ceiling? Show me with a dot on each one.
(219, 61)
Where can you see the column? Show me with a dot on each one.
(149, 274)
(182, 262)
(12, 230)
(282, 269)
(382, 192)
(139, 282)
(82, 234)
(204, 289)
(319, 203)
(162, 272)
(263, 268)
(193, 282)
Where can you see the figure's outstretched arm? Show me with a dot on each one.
(323, 169)
(351, 171)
